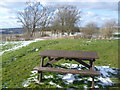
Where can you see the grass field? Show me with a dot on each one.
(17, 65)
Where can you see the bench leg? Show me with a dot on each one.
(92, 86)
(40, 72)
(40, 76)
(92, 65)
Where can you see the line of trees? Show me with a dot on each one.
(106, 31)
(109, 28)
(62, 20)
(90, 29)
(35, 16)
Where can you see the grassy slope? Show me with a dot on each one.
(16, 65)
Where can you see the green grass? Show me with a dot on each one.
(16, 65)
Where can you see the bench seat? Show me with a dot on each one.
(73, 71)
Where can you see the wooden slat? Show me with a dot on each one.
(73, 71)
(52, 61)
(83, 63)
(70, 54)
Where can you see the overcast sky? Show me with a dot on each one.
(98, 11)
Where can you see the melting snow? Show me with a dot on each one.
(22, 44)
(96, 86)
(33, 73)
(69, 78)
(85, 87)
(90, 79)
(32, 78)
(106, 70)
(55, 84)
(72, 65)
(50, 76)
(103, 80)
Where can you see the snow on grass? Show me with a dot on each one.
(32, 78)
(33, 72)
(18, 45)
(50, 76)
(69, 65)
(55, 84)
(85, 87)
(69, 78)
(90, 79)
(103, 80)
(106, 70)
(96, 86)
(26, 83)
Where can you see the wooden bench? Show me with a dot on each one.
(78, 56)
(73, 71)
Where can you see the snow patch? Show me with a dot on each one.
(102, 80)
(96, 86)
(33, 73)
(50, 76)
(69, 65)
(105, 81)
(90, 79)
(105, 70)
(36, 50)
(22, 44)
(69, 78)
(85, 87)
(32, 78)
(55, 84)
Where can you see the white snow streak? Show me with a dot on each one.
(22, 44)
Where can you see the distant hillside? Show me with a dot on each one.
(11, 31)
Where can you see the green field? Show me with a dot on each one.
(17, 65)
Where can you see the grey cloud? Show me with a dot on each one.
(113, 6)
(81, 5)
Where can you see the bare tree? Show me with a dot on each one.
(108, 28)
(45, 20)
(34, 16)
(67, 17)
(90, 29)
(55, 28)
